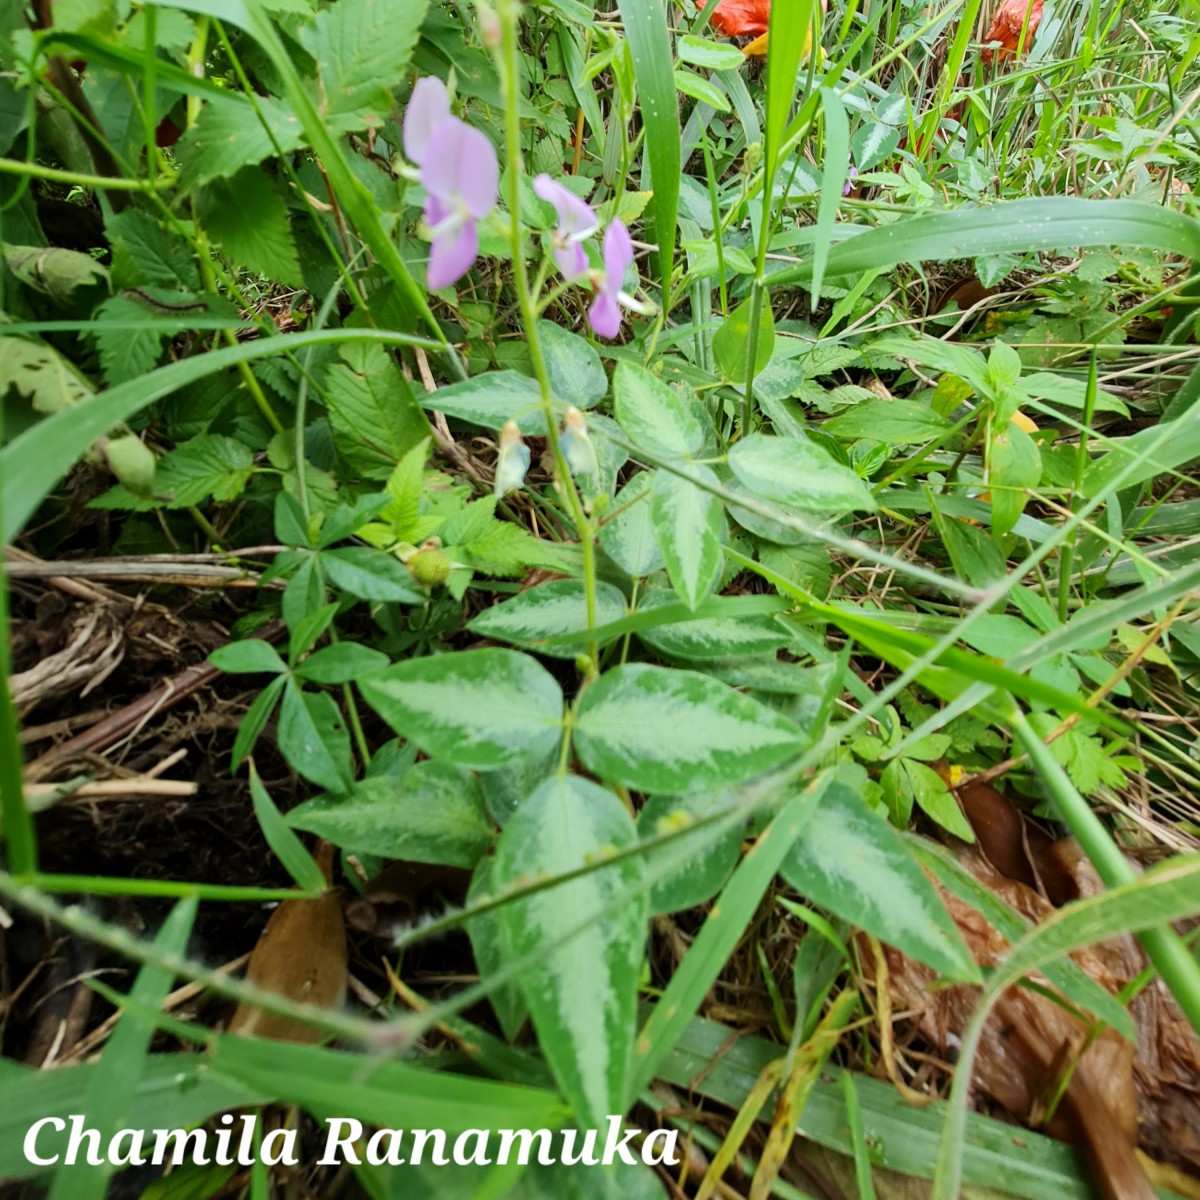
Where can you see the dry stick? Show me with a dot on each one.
(441, 430)
(101, 789)
(126, 720)
(82, 591)
(183, 574)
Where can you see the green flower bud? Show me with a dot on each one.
(429, 566)
(132, 462)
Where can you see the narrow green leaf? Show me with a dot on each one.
(287, 847)
(313, 738)
(662, 730)
(837, 157)
(649, 38)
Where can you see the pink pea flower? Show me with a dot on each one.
(577, 221)
(605, 313)
(460, 175)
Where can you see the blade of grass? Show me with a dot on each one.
(649, 38)
(837, 158)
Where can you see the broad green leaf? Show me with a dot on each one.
(147, 255)
(286, 846)
(627, 536)
(1014, 464)
(853, 863)
(648, 33)
(434, 814)
(798, 474)
(576, 374)
(373, 413)
(689, 525)
(208, 465)
(731, 342)
(710, 859)
(588, 936)
(370, 574)
(653, 414)
(1018, 226)
(246, 217)
(40, 373)
(715, 56)
(550, 609)
(342, 662)
(711, 638)
(313, 738)
(229, 135)
(668, 731)
(247, 657)
(490, 399)
(361, 49)
(478, 708)
(896, 421)
(699, 88)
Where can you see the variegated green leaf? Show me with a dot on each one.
(628, 537)
(798, 474)
(478, 708)
(711, 638)
(549, 609)
(582, 988)
(689, 524)
(661, 730)
(852, 862)
(653, 414)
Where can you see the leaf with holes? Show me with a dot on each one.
(661, 730)
(586, 937)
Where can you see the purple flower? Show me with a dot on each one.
(427, 108)
(460, 175)
(576, 222)
(605, 313)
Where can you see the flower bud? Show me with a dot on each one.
(132, 462)
(576, 446)
(490, 32)
(513, 461)
(429, 566)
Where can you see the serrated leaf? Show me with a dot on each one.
(246, 217)
(711, 638)
(41, 374)
(653, 414)
(505, 548)
(373, 412)
(312, 737)
(208, 465)
(126, 353)
(370, 574)
(229, 135)
(628, 536)
(478, 708)
(435, 814)
(145, 254)
(688, 523)
(362, 48)
(898, 422)
(853, 863)
(711, 858)
(798, 474)
(668, 731)
(558, 607)
(582, 994)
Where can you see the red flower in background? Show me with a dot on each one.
(742, 18)
(1007, 24)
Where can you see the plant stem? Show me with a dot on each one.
(1179, 970)
(508, 65)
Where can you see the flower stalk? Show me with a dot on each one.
(508, 66)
